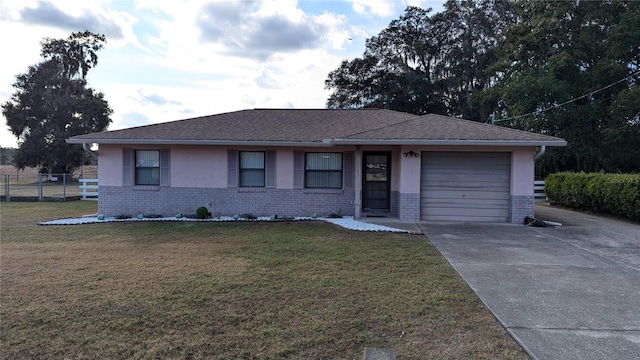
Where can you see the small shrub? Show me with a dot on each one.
(203, 213)
(153, 216)
(335, 215)
(248, 216)
(123, 216)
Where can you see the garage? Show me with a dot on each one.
(464, 186)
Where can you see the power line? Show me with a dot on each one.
(570, 101)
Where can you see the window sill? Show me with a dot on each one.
(323, 191)
(252, 189)
(146, 188)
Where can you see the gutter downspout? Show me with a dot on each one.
(543, 148)
(540, 153)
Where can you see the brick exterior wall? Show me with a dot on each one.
(521, 206)
(394, 203)
(409, 207)
(168, 201)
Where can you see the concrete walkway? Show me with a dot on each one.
(569, 292)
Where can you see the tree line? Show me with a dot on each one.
(53, 102)
(563, 68)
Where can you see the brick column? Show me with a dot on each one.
(521, 206)
(409, 207)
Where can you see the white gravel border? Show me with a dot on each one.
(347, 222)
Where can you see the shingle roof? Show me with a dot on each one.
(317, 126)
(439, 127)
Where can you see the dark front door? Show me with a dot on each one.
(376, 181)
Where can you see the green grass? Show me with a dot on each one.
(274, 290)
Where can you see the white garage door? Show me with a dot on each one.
(459, 186)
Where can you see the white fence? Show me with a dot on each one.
(88, 189)
(538, 191)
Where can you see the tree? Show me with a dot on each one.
(424, 64)
(570, 69)
(76, 55)
(52, 103)
(393, 73)
(621, 138)
(6, 156)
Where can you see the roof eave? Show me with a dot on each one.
(197, 142)
(323, 143)
(449, 142)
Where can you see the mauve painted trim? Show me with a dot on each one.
(450, 142)
(324, 143)
(197, 142)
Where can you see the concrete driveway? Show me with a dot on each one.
(568, 292)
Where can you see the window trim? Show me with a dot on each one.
(307, 170)
(136, 167)
(263, 169)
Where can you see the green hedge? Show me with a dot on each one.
(617, 194)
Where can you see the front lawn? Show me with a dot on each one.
(258, 290)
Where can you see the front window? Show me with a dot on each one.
(252, 169)
(147, 167)
(323, 170)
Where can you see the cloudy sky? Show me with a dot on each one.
(168, 60)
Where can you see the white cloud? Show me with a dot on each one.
(260, 31)
(436, 5)
(266, 80)
(247, 80)
(169, 60)
(383, 8)
(388, 8)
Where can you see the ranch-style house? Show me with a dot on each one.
(295, 162)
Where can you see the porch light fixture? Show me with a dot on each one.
(411, 153)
